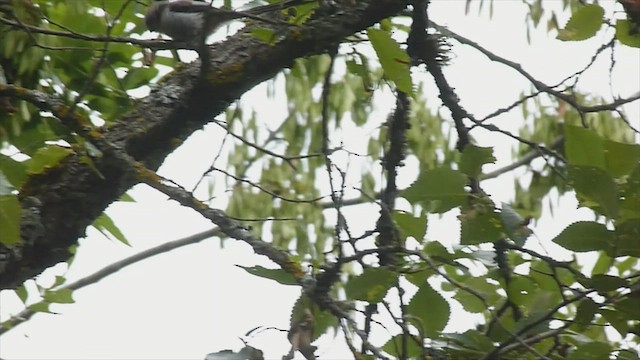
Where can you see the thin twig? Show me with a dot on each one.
(113, 268)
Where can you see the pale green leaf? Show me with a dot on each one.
(473, 157)
(415, 227)
(585, 313)
(606, 283)
(441, 188)
(479, 227)
(278, 275)
(431, 309)
(628, 238)
(591, 351)
(596, 185)
(61, 296)
(41, 306)
(9, 220)
(621, 158)
(583, 24)
(394, 347)
(46, 157)
(625, 35)
(616, 319)
(394, 61)
(106, 226)
(585, 236)
(371, 286)
(584, 147)
(15, 172)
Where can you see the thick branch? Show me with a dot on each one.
(59, 204)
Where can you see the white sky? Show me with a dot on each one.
(193, 301)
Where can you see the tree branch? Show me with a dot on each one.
(539, 85)
(113, 268)
(58, 204)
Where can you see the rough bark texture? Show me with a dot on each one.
(59, 204)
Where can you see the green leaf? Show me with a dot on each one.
(584, 147)
(621, 158)
(541, 301)
(479, 227)
(627, 354)
(33, 138)
(371, 286)
(7, 324)
(617, 320)
(62, 296)
(602, 264)
(106, 226)
(536, 11)
(137, 77)
(629, 306)
(394, 61)
(14, 171)
(473, 157)
(596, 185)
(46, 157)
(605, 283)
(441, 188)
(630, 204)
(368, 183)
(488, 290)
(22, 293)
(542, 274)
(126, 197)
(431, 309)
(393, 347)
(626, 264)
(585, 313)
(5, 185)
(624, 34)
(41, 306)
(278, 275)
(520, 290)
(266, 35)
(628, 238)
(410, 225)
(472, 340)
(9, 220)
(361, 70)
(591, 351)
(585, 236)
(59, 281)
(303, 12)
(418, 278)
(583, 24)
(438, 252)
(469, 302)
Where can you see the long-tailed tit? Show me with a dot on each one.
(186, 20)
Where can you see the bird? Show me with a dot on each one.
(300, 336)
(186, 20)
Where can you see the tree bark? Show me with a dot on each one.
(59, 204)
